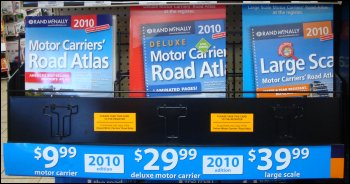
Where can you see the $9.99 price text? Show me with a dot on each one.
(52, 155)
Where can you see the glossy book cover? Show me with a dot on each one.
(70, 53)
(286, 49)
(184, 50)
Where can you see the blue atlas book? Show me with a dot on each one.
(183, 59)
(291, 54)
(70, 53)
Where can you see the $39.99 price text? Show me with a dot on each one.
(282, 156)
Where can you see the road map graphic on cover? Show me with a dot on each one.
(288, 49)
(70, 53)
(185, 57)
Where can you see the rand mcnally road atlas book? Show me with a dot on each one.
(288, 48)
(70, 53)
(178, 49)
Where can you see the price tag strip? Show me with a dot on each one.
(174, 163)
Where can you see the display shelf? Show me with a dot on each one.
(169, 125)
(276, 121)
(162, 121)
(278, 124)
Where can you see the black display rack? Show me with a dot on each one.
(180, 121)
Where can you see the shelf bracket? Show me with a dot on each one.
(60, 119)
(172, 116)
(286, 116)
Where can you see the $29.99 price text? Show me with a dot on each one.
(168, 156)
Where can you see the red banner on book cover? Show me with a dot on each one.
(48, 77)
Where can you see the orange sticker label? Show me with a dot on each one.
(114, 122)
(231, 122)
(317, 29)
(282, 91)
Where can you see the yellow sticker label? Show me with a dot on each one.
(115, 122)
(231, 122)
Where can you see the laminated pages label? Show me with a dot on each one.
(70, 53)
(296, 56)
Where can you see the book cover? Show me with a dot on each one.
(7, 7)
(292, 52)
(2, 26)
(4, 66)
(22, 44)
(178, 51)
(19, 27)
(12, 51)
(10, 29)
(70, 53)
